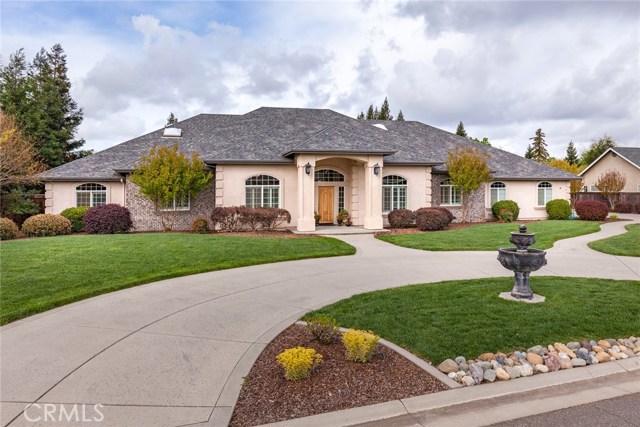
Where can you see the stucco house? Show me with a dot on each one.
(625, 160)
(307, 161)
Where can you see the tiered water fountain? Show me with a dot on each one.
(522, 261)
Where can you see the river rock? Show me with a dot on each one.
(565, 361)
(628, 352)
(573, 345)
(593, 360)
(582, 353)
(485, 365)
(603, 357)
(540, 369)
(460, 375)
(499, 360)
(513, 372)
(508, 363)
(526, 370)
(611, 341)
(615, 354)
(460, 359)
(489, 375)
(495, 364)
(615, 348)
(534, 358)
(604, 343)
(486, 357)
(501, 356)
(537, 349)
(452, 375)
(463, 367)
(502, 375)
(468, 381)
(550, 348)
(577, 362)
(553, 362)
(476, 373)
(448, 366)
(585, 344)
(561, 348)
(597, 348)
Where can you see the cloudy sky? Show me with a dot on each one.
(503, 68)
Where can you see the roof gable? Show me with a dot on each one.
(629, 154)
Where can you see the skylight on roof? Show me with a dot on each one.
(172, 132)
(381, 126)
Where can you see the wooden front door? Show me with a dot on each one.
(325, 204)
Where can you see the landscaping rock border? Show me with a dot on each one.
(490, 367)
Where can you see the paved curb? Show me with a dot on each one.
(626, 374)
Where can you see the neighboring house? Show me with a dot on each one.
(625, 160)
(306, 161)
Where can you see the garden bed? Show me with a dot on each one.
(334, 385)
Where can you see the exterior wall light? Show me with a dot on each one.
(307, 168)
(376, 169)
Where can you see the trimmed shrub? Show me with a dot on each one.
(298, 362)
(46, 225)
(324, 329)
(624, 207)
(592, 210)
(8, 229)
(108, 219)
(76, 216)
(401, 218)
(431, 219)
(236, 218)
(505, 215)
(638, 208)
(272, 218)
(200, 225)
(447, 212)
(558, 209)
(227, 218)
(509, 205)
(359, 345)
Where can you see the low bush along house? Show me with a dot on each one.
(307, 161)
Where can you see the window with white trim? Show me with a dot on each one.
(91, 194)
(545, 193)
(262, 191)
(498, 192)
(328, 175)
(450, 195)
(179, 204)
(394, 193)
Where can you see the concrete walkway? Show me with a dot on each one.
(174, 352)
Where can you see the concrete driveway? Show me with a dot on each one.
(174, 352)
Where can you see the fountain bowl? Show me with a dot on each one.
(522, 260)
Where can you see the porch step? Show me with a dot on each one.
(335, 230)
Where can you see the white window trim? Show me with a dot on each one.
(393, 187)
(538, 188)
(91, 193)
(262, 187)
(497, 190)
(172, 207)
(450, 190)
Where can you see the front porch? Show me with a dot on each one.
(335, 230)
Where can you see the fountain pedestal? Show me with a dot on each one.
(522, 261)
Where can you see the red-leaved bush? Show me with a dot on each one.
(401, 218)
(431, 219)
(237, 218)
(107, 219)
(591, 210)
(624, 207)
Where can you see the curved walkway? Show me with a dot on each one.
(174, 352)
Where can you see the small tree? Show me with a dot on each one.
(171, 120)
(19, 160)
(460, 131)
(468, 170)
(529, 153)
(596, 149)
(166, 176)
(539, 147)
(574, 186)
(610, 184)
(400, 117)
(572, 154)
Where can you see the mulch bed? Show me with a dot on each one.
(335, 384)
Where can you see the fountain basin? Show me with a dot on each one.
(522, 259)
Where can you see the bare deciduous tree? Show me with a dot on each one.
(610, 184)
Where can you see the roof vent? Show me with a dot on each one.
(381, 126)
(172, 132)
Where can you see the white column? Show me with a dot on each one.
(306, 193)
(373, 194)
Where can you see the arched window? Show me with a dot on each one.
(498, 192)
(450, 195)
(545, 193)
(328, 175)
(91, 195)
(394, 193)
(262, 191)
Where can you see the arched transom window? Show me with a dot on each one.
(450, 195)
(91, 194)
(394, 193)
(498, 192)
(545, 193)
(262, 191)
(328, 175)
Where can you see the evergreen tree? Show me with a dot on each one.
(400, 117)
(484, 141)
(596, 149)
(171, 121)
(385, 111)
(360, 116)
(539, 147)
(38, 96)
(572, 154)
(529, 153)
(460, 130)
(370, 113)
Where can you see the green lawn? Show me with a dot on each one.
(491, 236)
(466, 317)
(627, 244)
(41, 273)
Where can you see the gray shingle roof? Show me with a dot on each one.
(273, 135)
(630, 153)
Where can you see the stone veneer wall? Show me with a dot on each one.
(477, 210)
(145, 218)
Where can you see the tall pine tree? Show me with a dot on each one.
(460, 130)
(539, 147)
(171, 120)
(39, 98)
(572, 154)
(384, 113)
(529, 153)
(400, 117)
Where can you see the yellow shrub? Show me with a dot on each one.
(360, 345)
(298, 362)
